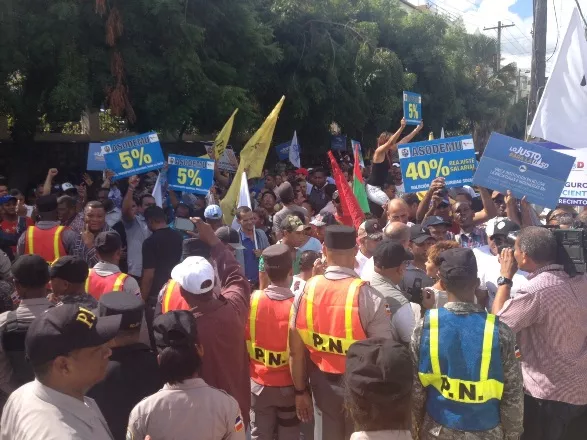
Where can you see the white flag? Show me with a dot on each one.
(244, 199)
(442, 133)
(561, 116)
(158, 192)
(294, 151)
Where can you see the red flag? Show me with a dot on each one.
(350, 205)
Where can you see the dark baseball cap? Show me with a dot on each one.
(125, 304)
(458, 264)
(70, 268)
(390, 253)
(504, 227)
(6, 199)
(379, 369)
(31, 271)
(419, 235)
(434, 220)
(277, 256)
(175, 329)
(108, 242)
(46, 203)
(370, 229)
(227, 235)
(65, 328)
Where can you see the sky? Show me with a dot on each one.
(517, 40)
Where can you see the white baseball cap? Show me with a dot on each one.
(67, 186)
(194, 274)
(213, 212)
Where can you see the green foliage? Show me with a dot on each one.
(188, 63)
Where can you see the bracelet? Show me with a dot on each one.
(301, 392)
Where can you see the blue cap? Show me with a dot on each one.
(6, 199)
(213, 212)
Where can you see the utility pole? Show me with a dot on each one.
(538, 74)
(499, 27)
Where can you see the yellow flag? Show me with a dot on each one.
(252, 159)
(431, 136)
(222, 139)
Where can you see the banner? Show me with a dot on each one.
(338, 143)
(227, 162)
(451, 158)
(356, 146)
(222, 139)
(190, 174)
(282, 150)
(526, 169)
(412, 108)
(133, 155)
(575, 190)
(96, 160)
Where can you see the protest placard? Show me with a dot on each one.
(190, 174)
(133, 155)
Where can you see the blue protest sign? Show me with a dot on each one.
(283, 150)
(133, 155)
(190, 174)
(451, 158)
(412, 108)
(525, 169)
(96, 160)
(338, 143)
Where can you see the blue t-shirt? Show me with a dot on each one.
(251, 261)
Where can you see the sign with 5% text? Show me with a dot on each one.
(451, 158)
(412, 108)
(133, 155)
(190, 174)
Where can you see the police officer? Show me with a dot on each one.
(68, 279)
(272, 395)
(106, 276)
(133, 372)
(186, 407)
(468, 382)
(67, 348)
(335, 310)
(47, 238)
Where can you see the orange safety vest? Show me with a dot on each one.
(328, 321)
(97, 285)
(267, 334)
(172, 299)
(45, 243)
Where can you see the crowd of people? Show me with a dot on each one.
(443, 315)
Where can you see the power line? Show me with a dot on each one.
(558, 32)
(517, 43)
(523, 34)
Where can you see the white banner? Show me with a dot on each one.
(575, 191)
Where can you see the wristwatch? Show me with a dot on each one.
(503, 281)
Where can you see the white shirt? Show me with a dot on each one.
(368, 270)
(382, 435)
(297, 285)
(35, 412)
(113, 217)
(489, 270)
(361, 260)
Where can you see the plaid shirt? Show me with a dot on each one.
(76, 223)
(87, 254)
(474, 239)
(549, 316)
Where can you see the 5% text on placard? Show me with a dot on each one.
(423, 169)
(185, 174)
(136, 155)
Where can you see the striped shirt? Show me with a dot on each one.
(474, 239)
(549, 316)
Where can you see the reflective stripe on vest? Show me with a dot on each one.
(117, 286)
(460, 364)
(329, 351)
(57, 244)
(267, 333)
(172, 299)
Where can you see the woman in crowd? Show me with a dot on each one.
(432, 266)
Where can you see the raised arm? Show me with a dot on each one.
(411, 136)
(489, 210)
(424, 208)
(127, 214)
(49, 181)
(381, 151)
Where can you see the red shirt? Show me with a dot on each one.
(10, 227)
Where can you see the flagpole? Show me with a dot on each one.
(255, 234)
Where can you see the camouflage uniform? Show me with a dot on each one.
(511, 404)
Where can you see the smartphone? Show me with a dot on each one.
(184, 224)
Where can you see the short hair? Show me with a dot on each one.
(67, 201)
(277, 273)
(287, 197)
(103, 190)
(307, 259)
(438, 248)
(462, 288)
(565, 220)
(42, 370)
(397, 231)
(389, 181)
(155, 213)
(180, 363)
(466, 195)
(267, 191)
(411, 199)
(262, 212)
(242, 210)
(15, 192)
(539, 244)
(319, 170)
(143, 197)
(94, 204)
